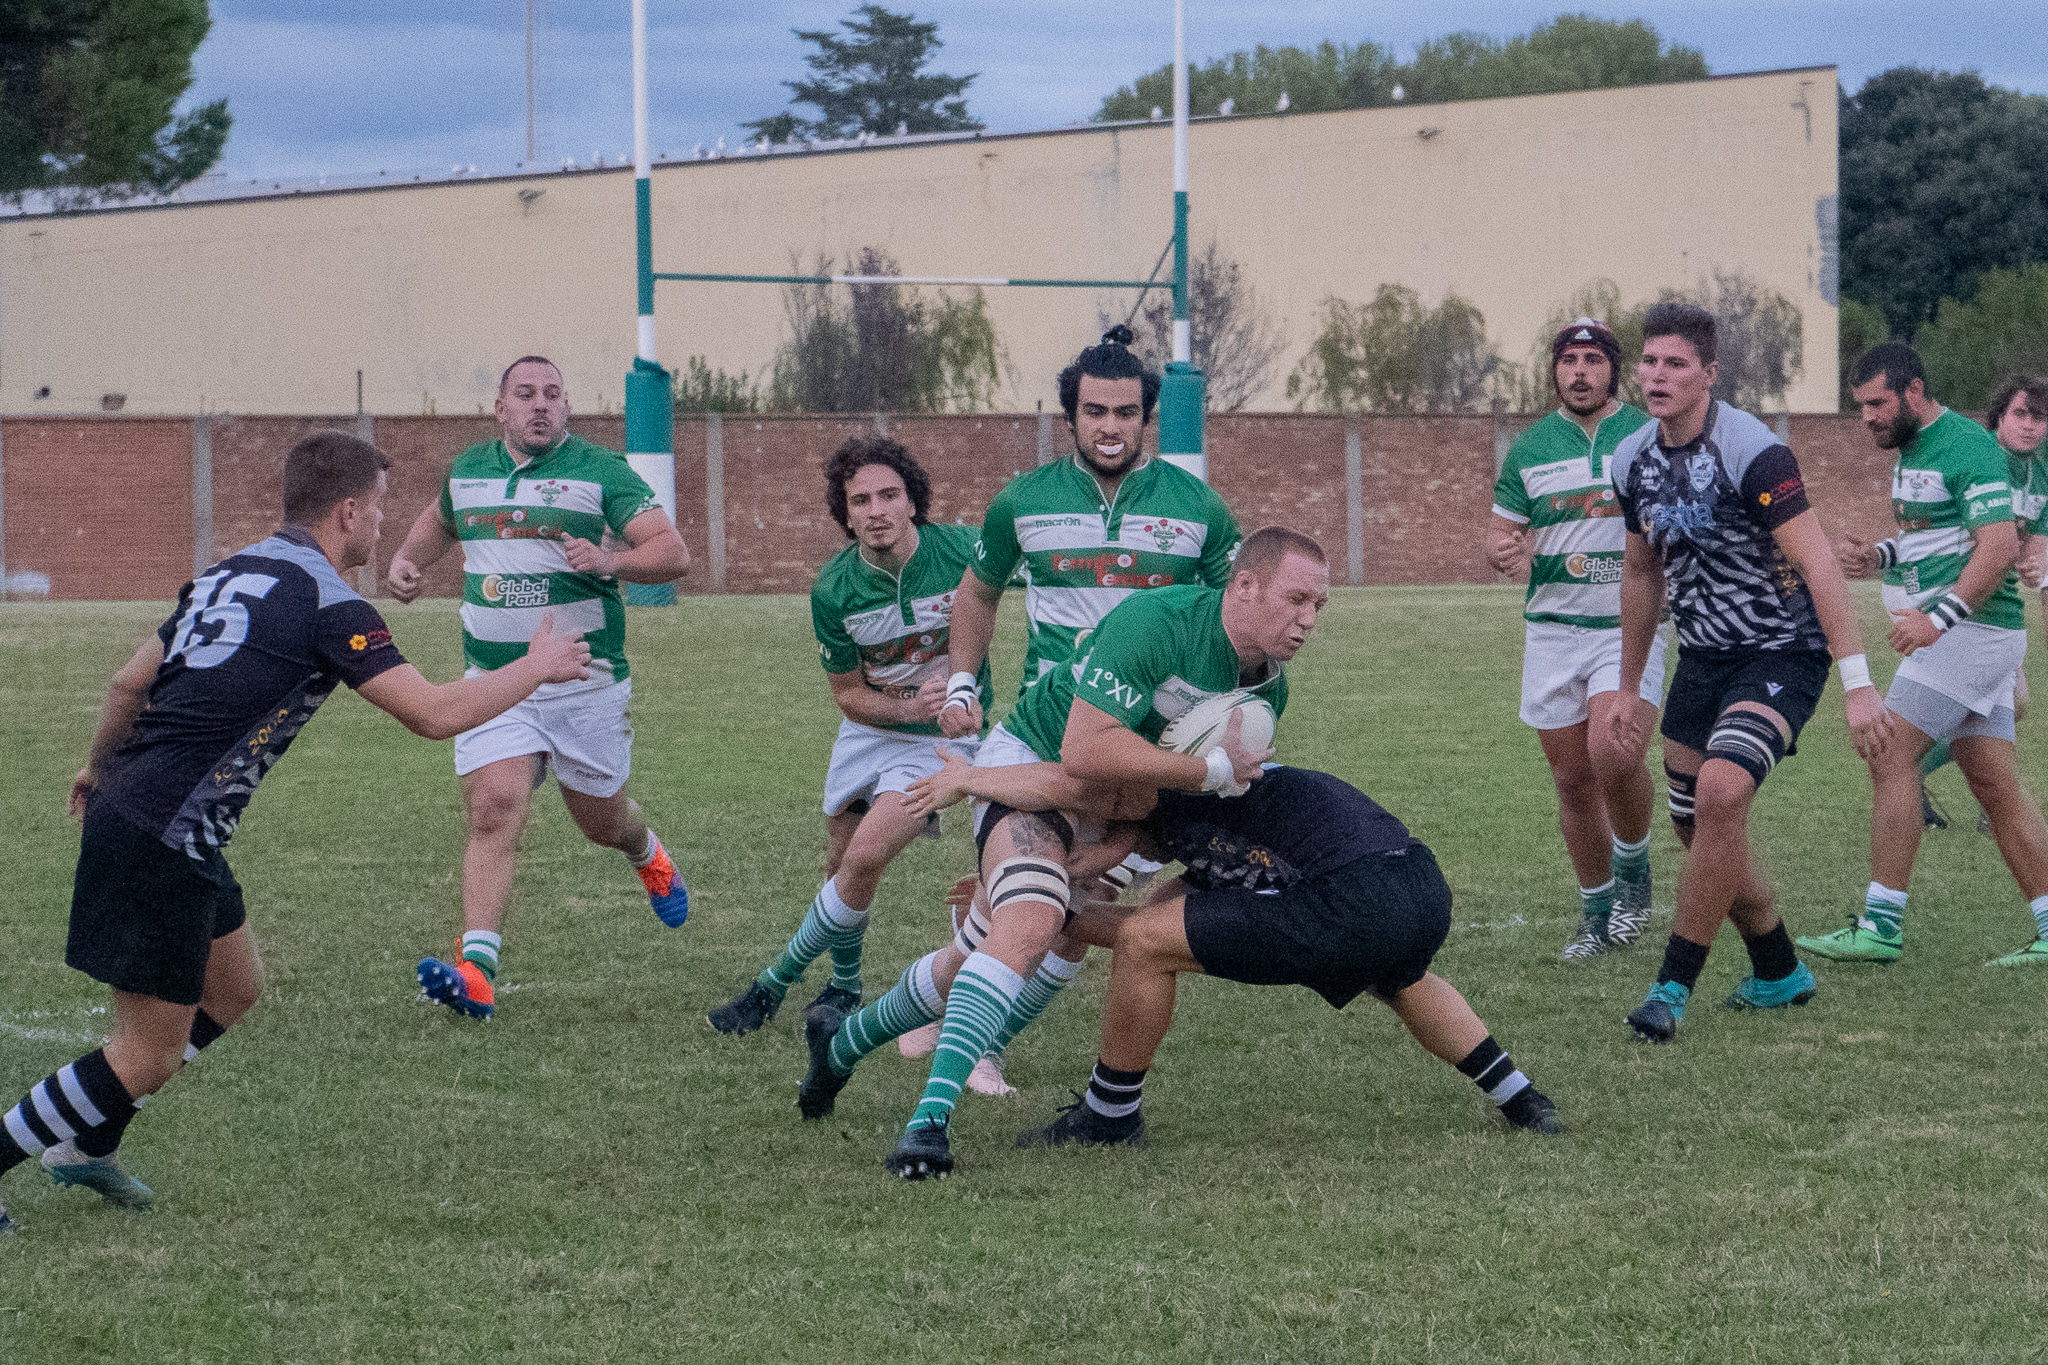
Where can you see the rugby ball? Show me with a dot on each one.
(1200, 728)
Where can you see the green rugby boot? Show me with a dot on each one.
(1752, 994)
(2035, 953)
(1860, 942)
(100, 1174)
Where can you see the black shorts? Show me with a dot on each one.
(1371, 925)
(1708, 682)
(144, 916)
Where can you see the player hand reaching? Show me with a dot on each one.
(946, 787)
(560, 658)
(1246, 765)
(1505, 548)
(404, 577)
(1858, 558)
(2033, 560)
(960, 714)
(1911, 631)
(930, 700)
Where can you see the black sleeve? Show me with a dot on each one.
(353, 641)
(169, 629)
(1772, 489)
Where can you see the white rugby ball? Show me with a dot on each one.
(1200, 728)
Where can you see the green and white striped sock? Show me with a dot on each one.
(830, 924)
(481, 946)
(1052, 977)
(1598, 901)
(1630, 860)
(912, 1002)
(982, 997)
(1884, 908)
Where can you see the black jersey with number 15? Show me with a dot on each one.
(257, 643)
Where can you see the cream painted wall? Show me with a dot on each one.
(272, 305)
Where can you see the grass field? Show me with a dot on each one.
(354, 1175)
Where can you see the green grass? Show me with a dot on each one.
(594, 1176)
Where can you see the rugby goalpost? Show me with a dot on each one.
(650, 403)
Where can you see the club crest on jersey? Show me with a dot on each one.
(1164, 533)
(549, 491)
(502, 591)
(1700, 470)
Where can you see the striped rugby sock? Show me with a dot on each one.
(829, 925)
(205, 1029)
(1883, 909)
(1049, 980)
(1114, 1094)
(982, 997)
(912, 1002)
(482, 947)
(84, 1101)
(1494, 1072)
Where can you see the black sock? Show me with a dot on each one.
(205, 1028)
(1683, 960)
(1495, 1073)
(1115, 1094)
(84, 1100)
(1770, 955)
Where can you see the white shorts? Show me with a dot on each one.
(1971, 663)
(1563, 666)
(588, 735)
(867, 762)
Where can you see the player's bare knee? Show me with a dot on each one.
(495, 812)
(1723, 796)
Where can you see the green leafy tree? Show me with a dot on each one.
(884, 348)
(872, 80)
(1571, 52)
(1971, 348)
(87, 94)
(1941, 180)
(1394, 354)
(700, 389)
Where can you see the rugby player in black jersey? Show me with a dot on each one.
(193, 721)
(1718, 522)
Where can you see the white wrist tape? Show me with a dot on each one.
(1855, 671)
(962, 689)
(1221, 773)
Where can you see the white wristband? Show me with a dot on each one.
(1221, 773)
(1855, 671)
(961, 690)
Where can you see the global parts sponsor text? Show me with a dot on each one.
(1594, 568)
(501, 591)
(1105, 566)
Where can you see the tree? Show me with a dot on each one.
(1396, 355)
(1571, 52)
(87, 93)
(1858, 327)
(1972, 348)
(700, 390)
(1231, 339)
(884, 348)
(872, 81)
(1941, 181)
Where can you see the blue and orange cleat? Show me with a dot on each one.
(665, 889)
(461, 986)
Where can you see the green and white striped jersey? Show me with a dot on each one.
(2028, 475)
(896, 629)
(511, 519)
(1083, 553)
(1556, 481)
(1152, 660)
(1949, 479)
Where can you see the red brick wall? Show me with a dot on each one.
(104, 505)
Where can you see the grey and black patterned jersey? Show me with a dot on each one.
(1708, 510)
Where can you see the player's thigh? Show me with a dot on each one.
(495, 796)
(143, 915)
(885, 831)
(1023, 870)
(591, 736)
(1554, 673)
(234, 976)
(515, 737)
(1601, 750)
(1568, 751)
(1156, 937)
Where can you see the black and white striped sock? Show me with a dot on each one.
(84, 1100)
(1494, 1072)
(1114, 1094)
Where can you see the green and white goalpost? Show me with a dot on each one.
(650, 402)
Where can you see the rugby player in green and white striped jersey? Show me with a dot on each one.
(1086, 532)
(1957, 619)
(1555, 503)
(882, 610)
(533, 512)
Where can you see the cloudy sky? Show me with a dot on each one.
(424, 85)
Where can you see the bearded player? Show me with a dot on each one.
(882, 611)
(1555, 503)
(547, 522)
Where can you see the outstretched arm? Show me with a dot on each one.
(444, 710)
(972, 629)
(425, 543)
(1020, 786)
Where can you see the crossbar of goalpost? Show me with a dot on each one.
(990, 281)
